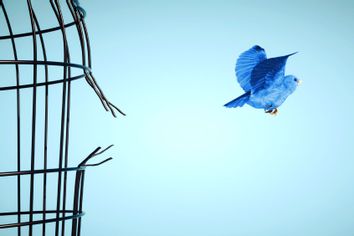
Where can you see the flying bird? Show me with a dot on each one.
(263, 80)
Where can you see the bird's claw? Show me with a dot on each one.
(273, 112)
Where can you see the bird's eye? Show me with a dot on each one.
(295, 79)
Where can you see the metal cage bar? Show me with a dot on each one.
(63, 212)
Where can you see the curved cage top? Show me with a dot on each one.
(61, 27)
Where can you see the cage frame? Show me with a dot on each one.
(63, 213)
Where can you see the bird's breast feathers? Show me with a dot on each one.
(273, 96)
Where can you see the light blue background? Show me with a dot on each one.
(186, 166)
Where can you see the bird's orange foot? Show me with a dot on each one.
(273, 112)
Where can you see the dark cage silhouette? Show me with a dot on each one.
(44, 48)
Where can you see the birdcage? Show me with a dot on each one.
(38, 65)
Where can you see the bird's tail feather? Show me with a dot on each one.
(238, 102)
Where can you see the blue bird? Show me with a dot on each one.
(263, 80)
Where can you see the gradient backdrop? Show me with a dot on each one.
(186, 166)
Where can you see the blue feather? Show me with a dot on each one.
(245, 64)
(239, 102)
(268, 72)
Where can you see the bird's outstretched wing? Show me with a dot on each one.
(246, 63)
(268, 72)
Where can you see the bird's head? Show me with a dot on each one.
(291, 82)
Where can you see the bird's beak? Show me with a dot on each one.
(299, 81)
